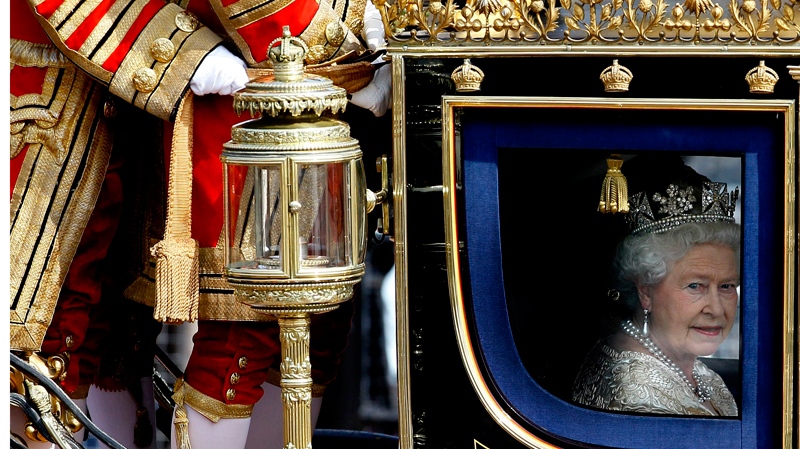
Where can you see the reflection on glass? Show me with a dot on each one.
(322, 207)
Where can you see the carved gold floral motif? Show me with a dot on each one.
(294, 370)
(737, 22)
(296, 296)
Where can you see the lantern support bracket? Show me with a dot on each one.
(381, 197)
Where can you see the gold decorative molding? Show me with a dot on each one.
(335, 133)
(794, 71)
(297, 295)
(575, 22)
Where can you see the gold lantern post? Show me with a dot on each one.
(295, 212)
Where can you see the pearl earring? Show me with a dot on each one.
(646, 325)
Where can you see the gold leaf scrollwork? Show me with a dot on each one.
(749, 18)
(294, 336)
(679, 22)
(652, 14)
(541, 17)
(705, 22)
(786, 21)
(717, 23)
(295, 396)
(436, 17)
(607, 20)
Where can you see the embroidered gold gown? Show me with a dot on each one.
(636, 382)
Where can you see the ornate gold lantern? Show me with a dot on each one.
(295, 212)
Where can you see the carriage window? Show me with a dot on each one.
(604, 325)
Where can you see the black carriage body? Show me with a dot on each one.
(491, 339)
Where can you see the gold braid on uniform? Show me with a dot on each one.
(181, 420)
(177, 256)
(211, 408)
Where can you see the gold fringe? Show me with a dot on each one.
(181, 419)
(177, 256)
(614, 193)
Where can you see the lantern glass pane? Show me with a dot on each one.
(324, 218)
(254, 209)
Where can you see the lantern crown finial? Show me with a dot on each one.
(287, 57)
(289, 90)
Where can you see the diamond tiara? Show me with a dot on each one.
(660, 212)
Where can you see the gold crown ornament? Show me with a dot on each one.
(616, 78)
(288, 89)
(761, 79)
(467, 77)
(287, 57)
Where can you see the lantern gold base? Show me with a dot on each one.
(293, 304)
(277, 299)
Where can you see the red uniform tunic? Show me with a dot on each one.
(145, 52)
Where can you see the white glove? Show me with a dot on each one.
(373, 33)
(377, 96)
(221, 72)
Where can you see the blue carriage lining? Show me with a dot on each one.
(758, 138)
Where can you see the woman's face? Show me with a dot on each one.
(693, 307)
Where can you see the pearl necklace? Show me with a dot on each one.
(702, 391)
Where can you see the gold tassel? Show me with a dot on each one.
(177, 256)
(614, 194)
(177, 280)
(181, 420)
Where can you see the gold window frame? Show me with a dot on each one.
(450, 106)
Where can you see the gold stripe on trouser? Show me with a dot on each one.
(211, 408)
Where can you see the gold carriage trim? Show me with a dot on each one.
(638, 23)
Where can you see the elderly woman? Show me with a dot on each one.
(678, 273)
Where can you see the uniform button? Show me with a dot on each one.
(230, 394)
(162, 49)
(242, 362)
(70, 340)
(109, 109)
(144, 79)
(234, 378)
(335, 33)
(186, 21)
